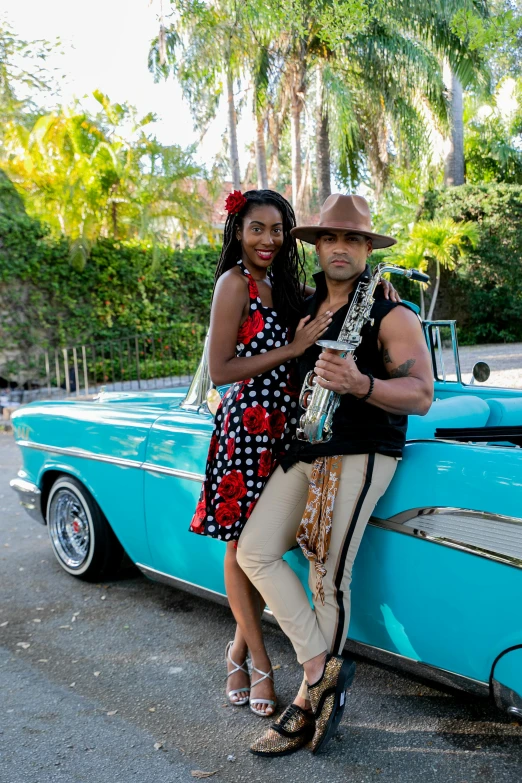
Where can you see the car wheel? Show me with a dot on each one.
(82, 539)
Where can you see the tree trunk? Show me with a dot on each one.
(114, 218)
(274, 131)
(304, 195)
(422, 303)
(322, 142)
(454, 145)
(435, 292)
(262, 174)
(375, 134)
(276, 115)
(232, 132)
(295, 132)
(296, 108)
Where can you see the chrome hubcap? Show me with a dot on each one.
(69, 528)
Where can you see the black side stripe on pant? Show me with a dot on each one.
(339, 641)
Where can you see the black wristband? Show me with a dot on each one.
(370, 390)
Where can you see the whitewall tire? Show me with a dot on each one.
(82, 539)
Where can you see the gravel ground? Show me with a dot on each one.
(93, 677)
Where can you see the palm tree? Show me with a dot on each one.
(385, 90)
(461, 70)
(454, 143)
(322, 156)
(83, 178)
(204, 50)
(441, 241)
(412, 255)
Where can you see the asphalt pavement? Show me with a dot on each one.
(123, 681)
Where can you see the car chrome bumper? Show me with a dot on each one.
(30, 498)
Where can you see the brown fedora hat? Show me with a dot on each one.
(343, 213)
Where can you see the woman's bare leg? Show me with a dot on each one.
(247, 607)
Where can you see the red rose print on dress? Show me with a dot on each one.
(231, 446)
(201, 512)
(251, 508)
(265, 463)
(232, 486)
(254, 420)
(227, 514)
(252, 288)
(276, 424)
(253, 324)
(240, 395)
(213, 448)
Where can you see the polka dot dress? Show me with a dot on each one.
(253, 427)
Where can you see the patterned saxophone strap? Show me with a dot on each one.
(315, 530)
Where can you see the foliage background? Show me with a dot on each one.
(131, 288)
(126, 288)
(485, 291)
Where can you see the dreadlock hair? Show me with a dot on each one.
(287, 267)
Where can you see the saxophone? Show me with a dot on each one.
(315, 425)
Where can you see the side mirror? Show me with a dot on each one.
(481, 372)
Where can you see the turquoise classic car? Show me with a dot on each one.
(437, 585)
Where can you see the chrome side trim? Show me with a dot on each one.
(189, 587)
(418, 669)
(485, 445)
(30, 498)
(422, 523)
(72, 451)
(185, 474)
(411, 513)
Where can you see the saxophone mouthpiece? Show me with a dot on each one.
(419, 276)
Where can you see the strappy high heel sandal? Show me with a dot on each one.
(238, 668)
(269, 702)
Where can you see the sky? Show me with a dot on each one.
(105, 45)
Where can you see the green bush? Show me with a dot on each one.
(126, 288)
(486, 288)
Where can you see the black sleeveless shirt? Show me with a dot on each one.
(358, 427)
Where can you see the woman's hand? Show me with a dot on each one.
(389, 291)
(308, 332)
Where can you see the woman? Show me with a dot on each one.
(255, 312)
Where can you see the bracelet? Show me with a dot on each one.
(370, 390)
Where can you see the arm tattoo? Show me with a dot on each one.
(386, 356)
(403, 370)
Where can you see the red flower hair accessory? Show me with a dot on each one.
(235, 202)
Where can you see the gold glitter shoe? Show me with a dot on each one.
(291, 731)
(327, 697)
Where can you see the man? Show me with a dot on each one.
(325, 493)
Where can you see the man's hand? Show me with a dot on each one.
(340, 375)
(409, 387)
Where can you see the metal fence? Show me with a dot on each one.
(152, 361)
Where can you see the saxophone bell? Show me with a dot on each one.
(338, 347)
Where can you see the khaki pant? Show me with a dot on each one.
(271, 531)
